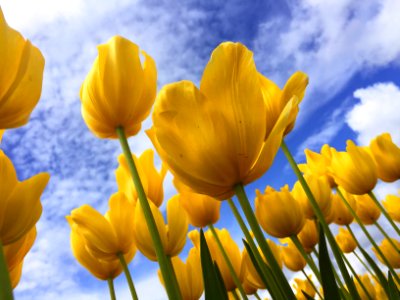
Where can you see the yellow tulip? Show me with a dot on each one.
(392, 206)
(21, 75)
(387, 157)
(101, 269)
(1, 135)
(303, 285)
(341, 214)
(317, 164)
(354, 170)
(118, 91)
(173, 234)
(106, 236)
(379, 291)
(366, 281)
(276, 99)
(202, 210)
(151, 179)
(291, 256)
(15, 274)
(345, 241)
(391, 254)
(231, 249)
(189, 275)
(308, 235)
(367, 210)
(20, 206)
(321, 191)
(15, 253)
(278, 213)
(216, 137)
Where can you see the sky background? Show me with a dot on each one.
(351, 53)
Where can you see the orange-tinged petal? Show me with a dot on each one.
(178, 225)
(1, 134)
(15, 274)
(8, 181)
(15, 252)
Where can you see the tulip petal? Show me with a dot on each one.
(177, 226)
(16, 251)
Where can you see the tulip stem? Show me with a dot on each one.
(266, 250)
(367, 234)
(365, 265)
(128, 276)
(309, 261)
(111, 288)
(5, 282)
(387, 236)
(257, 296)
(385, 213)
(312, 283)
(171, 283)
(357, 278)
(228, 262)
(272, 288)
(235, 295)
(317, 211)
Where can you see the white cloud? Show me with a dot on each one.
(376, 113)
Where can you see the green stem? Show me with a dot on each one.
(312, 284)
(6, 292)
(387, 236)
(357, 278)
(110, 282)
(273, 287)
(171, 283)
(365, 265)
(266, 250)
(257, 296)
(385, 213)
(128, 276)
(372, 241)
(317, 211)
(235, 295)
(309, 261)
(228, 262)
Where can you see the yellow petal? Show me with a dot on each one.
(1, 134)
(15, 274)
(23, 208)
(177, 226)
(15, 252)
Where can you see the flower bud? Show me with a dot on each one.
(308, 235)
(342, 215)
(387, 157)
(345, 241)
(367, 210)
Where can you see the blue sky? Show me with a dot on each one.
(351, 53)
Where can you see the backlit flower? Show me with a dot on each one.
(392, 206)
(118, 91)
(308, 236)
(367, 210)
(345, 241)
(341, 214)
(291, 256)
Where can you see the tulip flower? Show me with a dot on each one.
(321, 190)
(354, 170)
(20, 206)
(308, 236)
(189, 275)
(303, 285)
(387, 157)
(391, 254)
(16, 252)
(101, 269)
(341, 214)
(15, 274)
(392, 206)
(367, 210)
(345, 241)
(231, 249)
(211, 138)
(172, 234)
(276, 99)
(106, 237)
(202, 210)
(278, 213)
(366, 281)
(21, 75)
(118, 91)
(152, 180)
(318, 163)
(291, 256)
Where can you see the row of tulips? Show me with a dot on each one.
(214, 140)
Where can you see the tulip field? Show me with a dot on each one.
(214, 139)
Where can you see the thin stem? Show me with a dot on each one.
(364, 265)
(387, 236)
(273, 287)
(367, 234)
(357, 278)
(128, 276)
(228, 262)
(309, 261)
(266, 250)
(6, 292)
(317, 211)
(235, 295)
(171, 283)
(312, 283)
(257, 296)
(385, 213)
(110, 282)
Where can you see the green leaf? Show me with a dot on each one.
(214, 288)
(345, 294)
(394, 293)
(331, 290)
